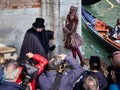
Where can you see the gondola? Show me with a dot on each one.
(100, 35)
(89, 2)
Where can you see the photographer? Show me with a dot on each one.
(56, 78)
(91, 83)
(114, 71)
(95, 69)
(27, 77)
(10, 76)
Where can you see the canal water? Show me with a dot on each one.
(108, 11)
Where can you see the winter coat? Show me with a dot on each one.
(68, 78)
(101, 78)
(41, 63)
(10, 86)
(115, 86)
(1, 74)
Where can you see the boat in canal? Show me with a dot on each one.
(100, 33)
(89, 2)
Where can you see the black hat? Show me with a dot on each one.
(39, 23)
(95, 62)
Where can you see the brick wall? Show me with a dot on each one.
(16, 4)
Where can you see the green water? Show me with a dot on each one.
(108, 11)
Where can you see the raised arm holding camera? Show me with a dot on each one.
(29, 74)
(58, 79)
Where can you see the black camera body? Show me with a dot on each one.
(30, 73)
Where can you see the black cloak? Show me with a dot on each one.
(35, 42)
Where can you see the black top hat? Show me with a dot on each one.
(39, 23)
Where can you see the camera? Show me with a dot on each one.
(29, 72)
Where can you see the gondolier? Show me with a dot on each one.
(99, 35)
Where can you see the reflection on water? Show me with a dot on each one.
(91, 47)
(108, 11)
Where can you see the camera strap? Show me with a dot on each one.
(57, 82)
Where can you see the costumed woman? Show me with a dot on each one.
(72, 39)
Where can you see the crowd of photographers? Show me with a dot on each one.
(55, 74)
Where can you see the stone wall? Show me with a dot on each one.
(16, 16)
(55, 12)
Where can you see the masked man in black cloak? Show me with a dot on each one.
(35, 40)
